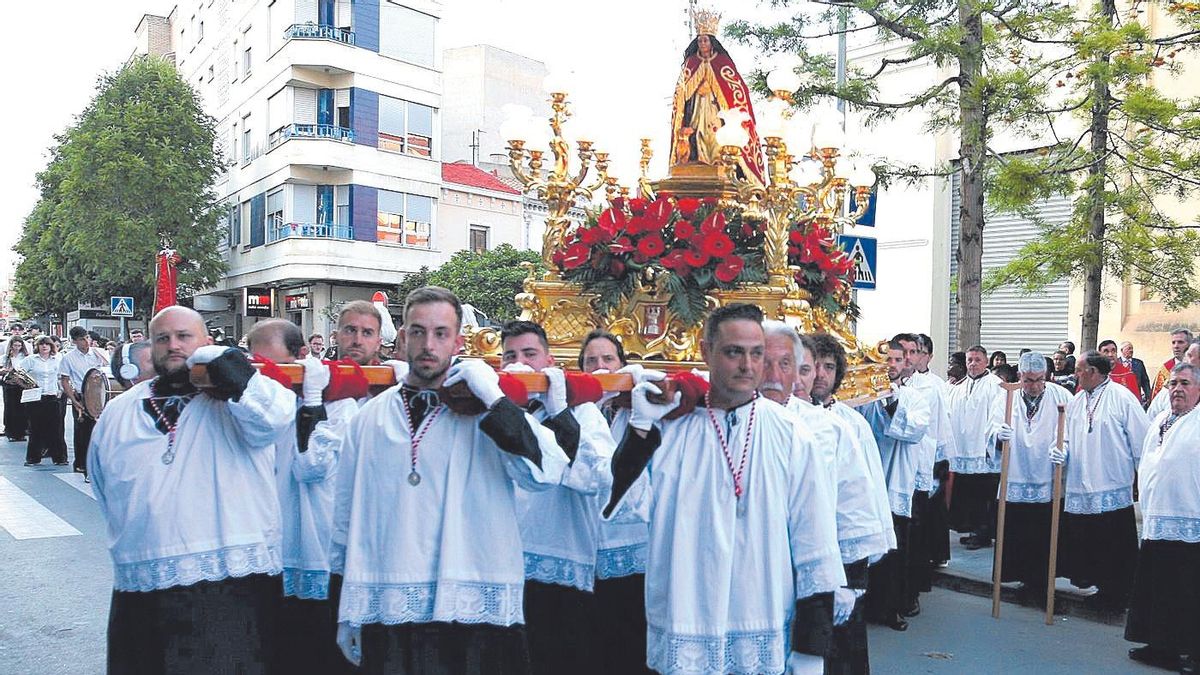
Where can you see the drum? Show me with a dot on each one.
(19, 378)
(95, 392)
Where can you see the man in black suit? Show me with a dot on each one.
(1139, 371)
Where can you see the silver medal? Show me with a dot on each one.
(414, 478)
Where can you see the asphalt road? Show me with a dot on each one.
(58, 576)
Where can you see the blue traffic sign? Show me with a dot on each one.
(863, 251)
(867, 219)
(120, 305)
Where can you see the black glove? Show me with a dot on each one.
(228, 370)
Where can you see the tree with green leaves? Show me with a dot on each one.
(989, 87)
(134, 173)
(1128, 154)
(488, 281)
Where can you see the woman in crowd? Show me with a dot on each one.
(14, 413)
(45, 414)
(998, 358)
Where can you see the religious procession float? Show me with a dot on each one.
(738, 218)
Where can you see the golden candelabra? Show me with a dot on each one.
(559, 188)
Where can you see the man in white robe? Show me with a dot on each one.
(1030, 475)
(185, 481)
(934, 511)
(1105, 430)
(787, 380)
(743, 534)
(1165, 608)
(560, 526)
(425, 517)
(973, 456)
(899, 423)
(620, 625)
(306, 457)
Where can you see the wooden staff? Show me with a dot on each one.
(1055, 513)
(998, 560)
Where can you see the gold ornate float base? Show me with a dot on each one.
(651, 334)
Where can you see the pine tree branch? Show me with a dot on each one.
(1151, 169)
(999, 16)
(878, 105)
(888, 23)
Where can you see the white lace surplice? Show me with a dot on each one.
(899, 438)
(1100, 463)
(861, 522)
(939, 438)
(1030, 473)
(305, 481)
(972, 403)
(560, 527)
(865, 440)
(622, 545)
(448, 549)
(1169, 480)
(213, 512)
(722, 579)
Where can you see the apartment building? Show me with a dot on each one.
(328, 117)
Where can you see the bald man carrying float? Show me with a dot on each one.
(185, 481)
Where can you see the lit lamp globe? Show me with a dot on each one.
(557, 82)
(783, 81)
(798, 133)
(732, 135)
(516, 128)
(807, 172)
(828, 134)
(772, 122)
(861, 173)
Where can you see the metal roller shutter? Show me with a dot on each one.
(1012, 321)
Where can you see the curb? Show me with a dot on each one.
(1065, 604)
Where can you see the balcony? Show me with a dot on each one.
(325, 131)
(281, 231)
(312, 31)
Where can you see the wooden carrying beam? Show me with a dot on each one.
(384, 376)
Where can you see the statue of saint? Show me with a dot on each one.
(709, 84)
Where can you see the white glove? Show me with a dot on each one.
(1058, 456)
(702, 374)
(399, 369)
(608, 395)
(645, 413)
(805, 664)
(1004, 432)
(556, 392)
(843, 605)
(517, 367)
(206, 354)
(316, 378)
(480, 379)
(349, 640)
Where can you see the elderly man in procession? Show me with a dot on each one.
(1105, 429)
(1165, 608)
(864, 522)
(973, 455)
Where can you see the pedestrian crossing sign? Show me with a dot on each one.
(120, 305)
(862, 250)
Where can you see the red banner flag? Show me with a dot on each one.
(166, 279)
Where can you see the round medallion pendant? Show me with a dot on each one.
(414, 479)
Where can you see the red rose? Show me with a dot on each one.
(717, 244)
(651, 245)
(616, 268)
(637, 206)
(576, 256)
(658, 214)
(611, 220)
(684, 230)
(729, 269)
(621, 245)
(688, 206)
(695, 258)
(796, 237)
(715, 222)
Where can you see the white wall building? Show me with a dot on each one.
(478, 211)
(328, 117)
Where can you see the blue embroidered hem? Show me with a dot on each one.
(1099, 502)
(748, 653)
(975, 464)
(460, 601)
(924, 482)
(623, 561)
(306, 584)
(185, 570)
(812, 578)
(1029, 493)
(559, 571)
(901, 504)
(1172, 528)
(858, 548)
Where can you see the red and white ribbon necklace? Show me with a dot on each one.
(741, 468)
(414, 478)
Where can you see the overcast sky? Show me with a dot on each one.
(625, 59)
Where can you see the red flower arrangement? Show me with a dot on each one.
(696, 244)
(699, 247)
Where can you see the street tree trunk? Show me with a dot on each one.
(972, 156)
(1094, 188)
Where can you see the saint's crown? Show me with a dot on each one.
(706, 21)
